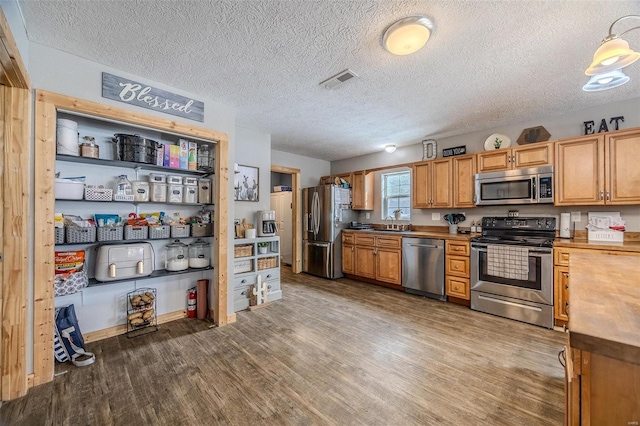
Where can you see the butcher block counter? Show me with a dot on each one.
(603, 367)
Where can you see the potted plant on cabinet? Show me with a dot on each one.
(262, 247)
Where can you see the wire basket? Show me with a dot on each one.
(201, 229)
(59, 234)
(136, 232)
(160, 231)
(180, 231)
(243, 250)
(267, 263)
(98, 194)
(81, 235)
(117, 197)
(110, 233)
(141, 311)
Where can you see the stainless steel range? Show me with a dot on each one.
(512, 269)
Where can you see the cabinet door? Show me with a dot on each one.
(561, 292)
(441, 184)
(622, 170)
(464, 170)
(362, 190)
(347, 177)
(420, 190)
(493, 161)
(389, 266)
(348, 254)
(532, 155)
(579, 171)
(365, 265)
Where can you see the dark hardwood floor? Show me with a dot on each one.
(330, 352)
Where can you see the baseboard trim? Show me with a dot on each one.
(122, 329)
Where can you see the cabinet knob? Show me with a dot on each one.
(566, 307)
(243, 281)
(602, 195)
(608, 196)
(566, 274)
(456, 267)
(269, 276)
(457, 249)
(566, 287)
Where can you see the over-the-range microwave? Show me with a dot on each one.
(523, 186)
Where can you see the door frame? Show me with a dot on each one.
(15, 196)
(296, 264)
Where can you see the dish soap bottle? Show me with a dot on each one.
(123, 186)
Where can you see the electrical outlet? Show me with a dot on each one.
(575, 216)
(435, 216)
(367, 215)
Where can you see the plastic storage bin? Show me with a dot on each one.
(93, 193)
(160, 231)
(59, 233)
(140, 190)
(180, 231)
(110, 233)
(136, 232)
(190, 194)
(174, 193)
(81, 235)
(158, 192)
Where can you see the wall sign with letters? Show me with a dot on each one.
(457, 150)
(134, 93)
(589, 126)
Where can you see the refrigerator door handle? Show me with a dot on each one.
(316, 214)
(325, 245)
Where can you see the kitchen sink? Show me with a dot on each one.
(390, 230)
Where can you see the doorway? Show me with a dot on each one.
(287, 207)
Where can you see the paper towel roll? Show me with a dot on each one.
(565, 225)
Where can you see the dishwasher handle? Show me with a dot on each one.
(423, 245)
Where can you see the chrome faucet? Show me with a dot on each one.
(387, 223)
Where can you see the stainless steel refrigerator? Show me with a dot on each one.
(326, 210)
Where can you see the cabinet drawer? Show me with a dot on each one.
(241, 298)
(273, 286)
(561, 256)
(270, 274)
(458, 266)
(391, 242)
(458, 287)
(365, 240)
(347, 237)
(458, 248)
(244, 281)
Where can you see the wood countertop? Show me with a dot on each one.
(632, 246)
(417, 234)
(605, 305)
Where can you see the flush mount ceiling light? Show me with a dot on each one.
(390, 148)
(408, 35)
(613, 54)
(605, 81)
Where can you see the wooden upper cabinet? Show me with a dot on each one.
(579, 171)
(521, 157)
(442, 183)
(622, 170)
(362, 190)
(421, 188)
(432, 184)
(464, 170)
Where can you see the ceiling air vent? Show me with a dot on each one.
(338, 79)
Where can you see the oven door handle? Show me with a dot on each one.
(483, 248)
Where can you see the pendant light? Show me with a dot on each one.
(613, 54)
(407, 35)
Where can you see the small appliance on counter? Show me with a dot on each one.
(358, 225)
(123, 261)
(267, 223)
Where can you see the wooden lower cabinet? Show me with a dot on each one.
(457, 269)
(600, 390)
(378, 258)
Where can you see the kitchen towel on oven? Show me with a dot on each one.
(508, 261)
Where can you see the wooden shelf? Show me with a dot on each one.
(147, 240)
(129, 165)
(158, 273)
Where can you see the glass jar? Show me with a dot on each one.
(123, 186)
(89, 148)
(199, 254)
(205, 157)
(176, 257)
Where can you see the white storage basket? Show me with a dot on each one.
(81, 235)
(98, 194)
(161, 231)
(136, 232)
(59, 232)
(180, 231)
(110, 233)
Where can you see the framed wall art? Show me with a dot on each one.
(246, 183)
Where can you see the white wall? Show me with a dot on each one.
(560, 126)
(253, 148)
(311, 169)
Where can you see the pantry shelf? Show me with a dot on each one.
(158, 273)
(129, 165)
(147, 240)
(137, 203)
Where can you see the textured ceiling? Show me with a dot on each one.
(488, 63)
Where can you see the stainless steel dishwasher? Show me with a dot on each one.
(423, 267)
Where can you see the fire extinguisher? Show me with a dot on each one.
(191, 303)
